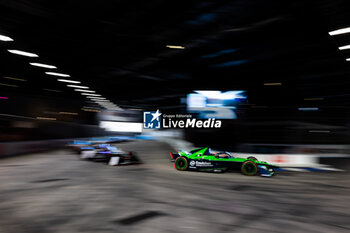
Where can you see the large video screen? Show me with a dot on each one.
(215, 104)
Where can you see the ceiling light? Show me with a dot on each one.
(43, 65)
(57, 74)
(46, 118)
(347, 59)
(175, 47)
(2, 97)
(8, 85)
(5, 38)
(90, 110)
(98, 98)
(339, 31)
(344, 47)
(22, 53)
(82, 87)
(272, 84)
(90, 94)
(100, 101)
(84, 90)
(51, 90)
(17, 79)
(68, 113)
(309, 109)
(67, 81)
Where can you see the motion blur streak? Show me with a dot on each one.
(46, 118)
(68, 81)
(339, 31)
(57, 74)
(22, 53)
(201, 116)
(5, 38)
(121, 126)
(344, 47)
(16, 79)
(175, 47)
(43, 65)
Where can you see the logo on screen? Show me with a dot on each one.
(151, 120)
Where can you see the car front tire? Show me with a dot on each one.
(249, 168)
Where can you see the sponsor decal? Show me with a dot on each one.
(151, 120)
(194, 164)
(203, 164)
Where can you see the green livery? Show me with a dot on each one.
(204, 160)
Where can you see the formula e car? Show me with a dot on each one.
(204, 160)
(110, 154)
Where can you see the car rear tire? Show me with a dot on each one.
(181, 163)
(253, 158)
(249, 168)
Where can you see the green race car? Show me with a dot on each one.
(204, 160)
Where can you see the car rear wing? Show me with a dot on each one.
(173, 156)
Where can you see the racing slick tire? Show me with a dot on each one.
(253, 158)
(249, 168)
(181, 163)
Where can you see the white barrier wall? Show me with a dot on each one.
(285, 160)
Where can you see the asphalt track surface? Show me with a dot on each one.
(56, 192)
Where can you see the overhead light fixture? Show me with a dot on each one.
(101, 101)
(344, 47)
(347, 59)
(57, 74)
(309, 109)
(8, 85)
(98, 98)
(43, 65)
(82, 87)
(16, 79)
(45, 89)
(84, 90)
(90, 94)
(175, 47)
(272, 84)
(5, 38)
(68, 113)
(3, 97)
(46, 118)
(339, 31)
(22, 53)
(68, 81)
